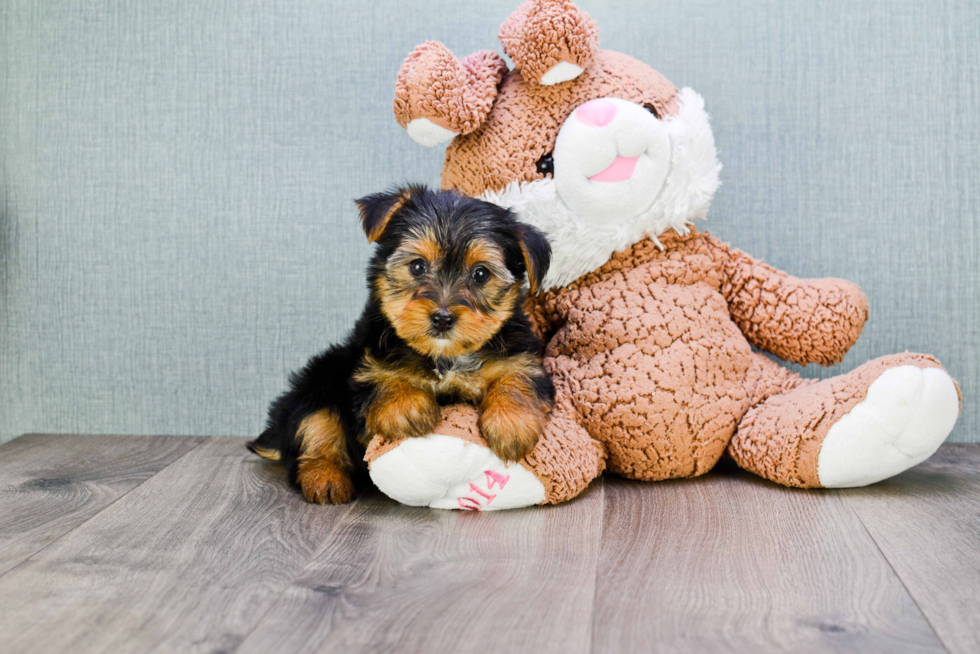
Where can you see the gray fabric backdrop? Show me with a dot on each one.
(176, 226)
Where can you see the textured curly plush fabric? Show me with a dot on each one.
(803, 321)
(544, 33)
(567, 458)
(658, 368)
(452, 93)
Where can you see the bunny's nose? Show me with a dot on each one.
(596, 113)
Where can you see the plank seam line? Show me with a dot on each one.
(598, 557)
(200, 442)
(843, 497)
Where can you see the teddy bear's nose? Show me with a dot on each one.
(596, 113)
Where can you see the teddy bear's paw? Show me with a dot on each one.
(905, 417)
(445, 472)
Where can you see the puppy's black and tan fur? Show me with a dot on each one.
(443, 324)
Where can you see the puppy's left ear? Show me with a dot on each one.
(537, 254)
(378, 208)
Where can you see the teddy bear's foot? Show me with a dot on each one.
(452, 468)
(447, 472)
(905, 417)
(455, 469)
(857, 429)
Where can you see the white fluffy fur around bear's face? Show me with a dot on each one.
(669, 185)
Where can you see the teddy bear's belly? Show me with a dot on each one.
(657, 375)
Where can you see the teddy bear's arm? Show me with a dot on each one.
(799, 320)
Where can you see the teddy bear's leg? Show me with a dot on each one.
(453, 468)
(852, 430)
(567, 458)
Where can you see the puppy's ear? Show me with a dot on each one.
(537, 254)
(378, 208)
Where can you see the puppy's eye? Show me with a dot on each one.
(480, 275)
(653, 110)
(546, 164)
(418, 267)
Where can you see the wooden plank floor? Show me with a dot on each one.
(130, 544)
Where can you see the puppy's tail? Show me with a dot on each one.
(265, 446)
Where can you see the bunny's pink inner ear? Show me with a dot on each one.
(438, 96)
(550, 41)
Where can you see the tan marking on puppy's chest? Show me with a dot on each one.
(463, 379)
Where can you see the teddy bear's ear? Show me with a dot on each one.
(438, 96)
(550, 41)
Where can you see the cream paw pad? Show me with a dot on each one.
(907, 414)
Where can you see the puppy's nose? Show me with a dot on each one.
(442, 320)
(596, 113)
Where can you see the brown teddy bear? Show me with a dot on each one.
(649, 323)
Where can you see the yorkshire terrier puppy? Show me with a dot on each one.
(443, 324)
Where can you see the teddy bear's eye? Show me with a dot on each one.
(653, 110)
(546, 164)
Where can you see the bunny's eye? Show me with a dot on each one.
(653, 110)
(546, 164)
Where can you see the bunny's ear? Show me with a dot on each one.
(439, 96)
(550, 41)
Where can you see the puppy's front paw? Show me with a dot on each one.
(323, 482)
(406, 413)
(511, 427)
